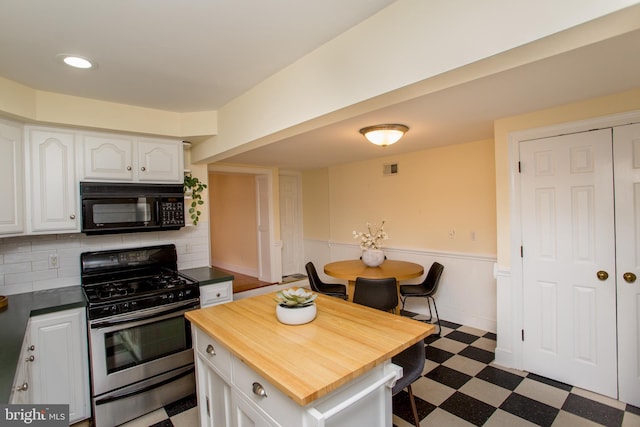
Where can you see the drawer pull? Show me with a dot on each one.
(218, 295)
(258, 390)
(30, 358)
(23, 387)
(211, 350)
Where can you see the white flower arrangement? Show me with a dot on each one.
(295, 297)
(373, 238)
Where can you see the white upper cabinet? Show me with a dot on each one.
(108, 157)
(121, 158)
(160, 161)
(54, 190)
(11, 178)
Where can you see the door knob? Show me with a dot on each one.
(602, 275)
(629, 277)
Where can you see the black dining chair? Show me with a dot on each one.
(317, 285)
(383, 295)
(377, 293)
(426, 289)
(412, 362)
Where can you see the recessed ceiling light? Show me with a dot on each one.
(76, 61)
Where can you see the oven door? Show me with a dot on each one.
(136, 346)
(108, 214)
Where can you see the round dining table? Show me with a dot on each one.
(354, 268)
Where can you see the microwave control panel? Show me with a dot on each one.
(172, 213)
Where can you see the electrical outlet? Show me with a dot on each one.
(53, 261)
(452, 233)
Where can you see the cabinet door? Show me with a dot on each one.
(247, 414)
(54, 193)
(21, 390)
(214, 396)
(160, 161)
(11, 179)
(107, 157)
(60, 371)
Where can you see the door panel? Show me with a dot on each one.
(569, 315)
(627, 186)
(290, 224)
(263, 227)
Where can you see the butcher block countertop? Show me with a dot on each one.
(308, 361)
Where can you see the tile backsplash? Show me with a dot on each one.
(33, 263)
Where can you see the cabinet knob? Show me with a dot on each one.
(72, 216)
(602, 275)
(258, 390)
(629, 277)
(30, 358)
(128, 168)
(218, 295)
(31, 347)
(143, 169)
(23, 387)
(211, 350)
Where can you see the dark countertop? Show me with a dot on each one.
(13, 325)
(207, 275)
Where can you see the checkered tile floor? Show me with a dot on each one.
(461, 387)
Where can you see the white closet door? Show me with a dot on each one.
(569, 313)
(627, 187)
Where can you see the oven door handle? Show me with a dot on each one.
(154, 314)
(119, 395)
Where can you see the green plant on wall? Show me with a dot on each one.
(193, 185)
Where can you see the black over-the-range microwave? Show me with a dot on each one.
(109, 208)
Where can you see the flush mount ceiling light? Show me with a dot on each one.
(75, 61)
(384, 135)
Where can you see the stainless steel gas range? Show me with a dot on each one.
(139, 339)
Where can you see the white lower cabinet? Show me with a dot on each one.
(60, 368)
(230, 393)
(21, 389)
(216, 293)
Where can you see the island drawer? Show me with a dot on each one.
(274, 403)
(212, 352)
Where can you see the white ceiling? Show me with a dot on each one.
(466, 112)
(182, 56)
(198, 55)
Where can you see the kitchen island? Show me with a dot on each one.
(335, 370)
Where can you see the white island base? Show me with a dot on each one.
(232, 394)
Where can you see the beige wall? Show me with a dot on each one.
(435, 191)
(592, 108)
(232, 216)
(315, 196)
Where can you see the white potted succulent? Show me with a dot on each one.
(296, 306)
